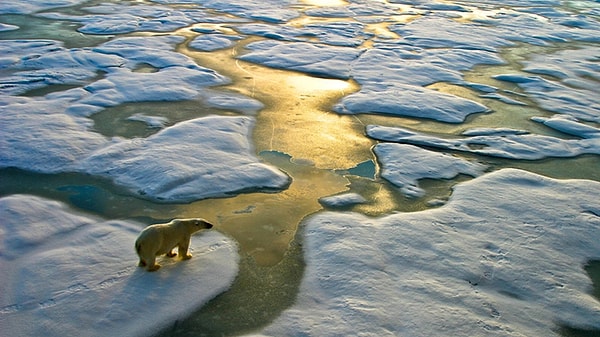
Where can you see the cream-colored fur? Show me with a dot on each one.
(162, 239)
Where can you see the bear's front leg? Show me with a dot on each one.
(183, 249)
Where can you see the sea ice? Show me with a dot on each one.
(109, 18)
(64, 272)
(321, 60)
(28, 7)
(272, 11)
(42, 138)
(191, 160)
(513, 146)
(573, 90)
(403, 165)
(342, 200)
(499, 259)
(569, 125)
(151, 121)
(436, 32)
(408, 100)
(212, 42)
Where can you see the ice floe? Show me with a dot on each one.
(342, 200)
(151, 121)
(499, 259)
(206, 157)
(27, 7)
(196, 159)
(436, 32)
(212, 42)
(64, 272)
(575, 87)
(107, 18)
(42, 138)
(511, 145)
(410, 101)
(272, 11)
(328, 61)
(569, 125)
(404, 165)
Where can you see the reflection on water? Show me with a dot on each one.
(265, 224)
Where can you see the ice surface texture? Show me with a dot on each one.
(505, 145)
(499, 259)
(210, 157)
(196, 159)
(404, 165)
(68, 274)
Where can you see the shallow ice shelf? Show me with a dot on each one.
(498, 259)
(67, 270)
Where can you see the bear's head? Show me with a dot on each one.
(194, 224)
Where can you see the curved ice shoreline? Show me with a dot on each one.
(499, 259)
(66, 273)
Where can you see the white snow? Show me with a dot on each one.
(410, 101)
(27, 6)
(499, 259)
(514, 146)
(569, 125)
(196, 159)
(151, 121)
(6, 27)
(201, 158)
(209, 157)
(403, 165)
(211, 42)
(333, 62)
(70, 274)
(574, 89)
(29, 130)
(342, 200)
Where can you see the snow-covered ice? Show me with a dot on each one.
(66, 273)
(403, 165)
(219, 163)
(343, 200)
(196, 159)
(27, 7)
(512, 145)
(409, 101)
(328, 61)
(572, 86)
(151, 121)
(211, 42)
(499, 259)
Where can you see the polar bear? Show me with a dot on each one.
(161, 239)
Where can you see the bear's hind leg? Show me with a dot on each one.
(142, 263)
(155, 267)
(152, 265)
(171, 253)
